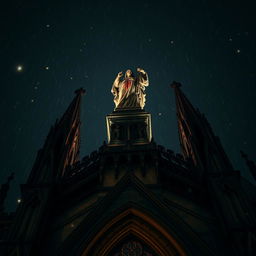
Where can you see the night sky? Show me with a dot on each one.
(49, 49)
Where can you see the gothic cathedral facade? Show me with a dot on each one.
(132, 197)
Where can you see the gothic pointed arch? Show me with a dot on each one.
(129, 227)
(102, 236)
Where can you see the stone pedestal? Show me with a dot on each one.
(129, 127)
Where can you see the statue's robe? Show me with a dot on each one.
(130, 92)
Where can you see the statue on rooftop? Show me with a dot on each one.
(129, 92)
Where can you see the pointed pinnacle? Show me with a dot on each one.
(175, 84)
(80, 91)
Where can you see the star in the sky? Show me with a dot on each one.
(238, 51)
(19, 68)
(47, 67)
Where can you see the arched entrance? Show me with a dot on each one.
(133, 233)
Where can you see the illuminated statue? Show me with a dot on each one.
(130, 91)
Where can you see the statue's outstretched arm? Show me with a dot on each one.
(117, 79)
(116, 83)
(143, 77)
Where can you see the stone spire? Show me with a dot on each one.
(61, 148)
(69, 134)
(197, 139)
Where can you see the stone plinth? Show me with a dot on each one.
(129, 127)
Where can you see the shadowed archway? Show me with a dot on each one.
(136, 224)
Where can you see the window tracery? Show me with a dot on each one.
(133, 248)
